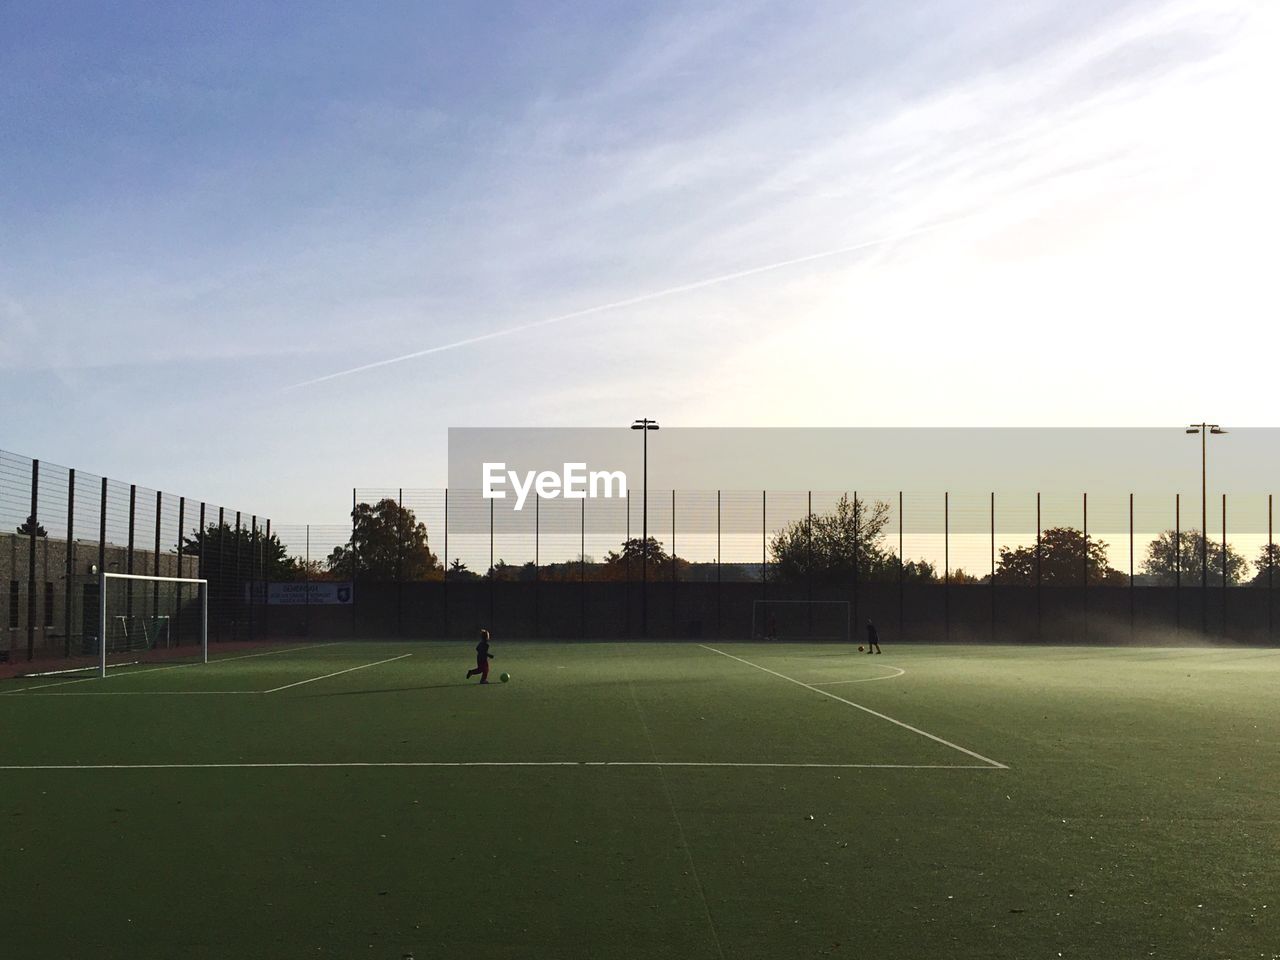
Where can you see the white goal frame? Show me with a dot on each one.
(202, 593)
(757, 631)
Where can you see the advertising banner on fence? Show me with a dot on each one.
(321, 593)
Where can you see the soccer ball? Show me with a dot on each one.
(505, 677)
(859, 649)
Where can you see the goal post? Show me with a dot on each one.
(801, 620)
(144, 617)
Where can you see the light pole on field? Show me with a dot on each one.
(1205, 430)
(644, 426)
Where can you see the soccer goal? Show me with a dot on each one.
(147, 618)
(800, 620)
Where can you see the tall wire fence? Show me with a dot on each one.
(1018, 567)
(60, 528)
(442, 563)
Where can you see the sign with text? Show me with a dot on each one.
(318, 593)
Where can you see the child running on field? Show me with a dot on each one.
(483, 656)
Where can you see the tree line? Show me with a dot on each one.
(831, 548)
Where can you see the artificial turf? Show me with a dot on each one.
(1135, 813)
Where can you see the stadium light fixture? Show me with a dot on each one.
(644, 426)
(1205, 430)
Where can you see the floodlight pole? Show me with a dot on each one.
(644, 426)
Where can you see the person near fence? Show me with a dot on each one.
(483, 656)
(873, 638)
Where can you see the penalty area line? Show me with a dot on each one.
(499, 763)
(337, 673)
(171, 666)
(833, 683)
(857, 706)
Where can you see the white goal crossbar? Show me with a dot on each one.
(801, 620)
(149, 636)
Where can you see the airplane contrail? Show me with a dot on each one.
(629, 302)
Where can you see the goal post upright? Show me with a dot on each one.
(837, 627)
(202, 592)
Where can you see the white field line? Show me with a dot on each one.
(174, 666)
(499, 763)
(832, 683)
(338, 673)
(96, 666)
(148, 693)
(858, 706)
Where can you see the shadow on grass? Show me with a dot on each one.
(434, 686)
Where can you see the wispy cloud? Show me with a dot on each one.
(627, 302)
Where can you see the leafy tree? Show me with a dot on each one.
(225, 551)
(1062, 560)
(824, 546)
(458, 571)
(1170, 551)
(386, 540)
(629, 560)
(919, 571)
(1268, 558)
(29, 527)
(220, 546)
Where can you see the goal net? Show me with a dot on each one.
(800, 620)
(142, 618)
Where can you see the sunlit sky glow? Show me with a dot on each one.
(200, 209)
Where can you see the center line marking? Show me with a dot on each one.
(858, 706)
(338, 764)
(338, 673)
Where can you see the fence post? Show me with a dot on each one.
(1223, 631)
(355, 563)
(1177, 563)
(1271, 573)
(1131, 584)
(1039, 603)
(128, 584)
(306, 581)
(71, 562)
(857, 578)
(155, 563)
(492, 576)
(719, 580)
(764, 545)
(675, 616)
(537, 566)
(223, 530)
(182, 522)
(253, 569)
(34, 528)
(102, 529)
(1084, 588)
(946, 564)
(582, 570)
(901, 568)
(446, 562)
(266, 584)
(400, 563)
(808, 525)
(993, 565)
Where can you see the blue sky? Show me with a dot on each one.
(1065, 213)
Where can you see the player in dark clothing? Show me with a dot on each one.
(873, 638)
(483, 656)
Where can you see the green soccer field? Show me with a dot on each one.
(648, 800)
